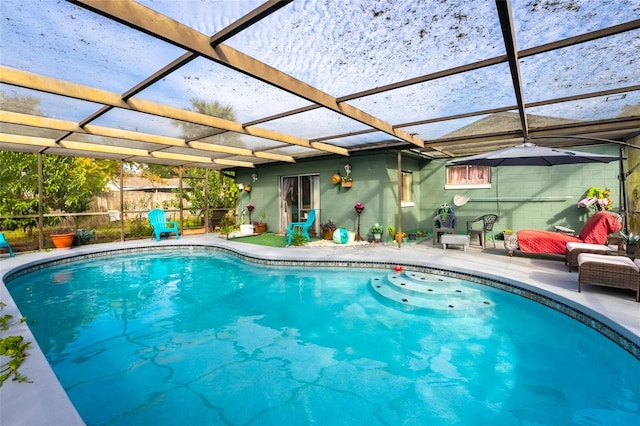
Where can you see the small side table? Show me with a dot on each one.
(456, 240)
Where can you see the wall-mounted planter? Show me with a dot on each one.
(346, 184)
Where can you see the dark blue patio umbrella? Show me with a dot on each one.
(529, 154)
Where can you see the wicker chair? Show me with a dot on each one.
(488, 220)
(575, 249)
(609, 271)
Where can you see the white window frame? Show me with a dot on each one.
(407, 189)
(466, 185)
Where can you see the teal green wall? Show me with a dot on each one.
(374, 184)
(521, 192)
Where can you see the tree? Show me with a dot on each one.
(223, 192)
(214, 109)
(69, 185)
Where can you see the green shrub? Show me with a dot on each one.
(297, 239)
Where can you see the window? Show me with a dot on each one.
(407, 188)
(468, 177)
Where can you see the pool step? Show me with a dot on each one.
(429, 291)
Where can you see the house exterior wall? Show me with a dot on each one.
(528, 197)
(374, 184)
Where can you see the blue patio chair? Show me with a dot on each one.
(303, 226)
(4, 243)
(158, 219)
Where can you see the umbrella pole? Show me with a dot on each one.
(399, 228)
(623, 192)
(497, 197)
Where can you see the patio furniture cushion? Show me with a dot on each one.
(595, 231)
(575, 249)
(538, 241)
(598, 228)
(609, 271)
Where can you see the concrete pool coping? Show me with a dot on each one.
(44, 402)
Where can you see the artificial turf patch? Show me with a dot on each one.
(268, 239)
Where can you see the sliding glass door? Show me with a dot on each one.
(299, 194)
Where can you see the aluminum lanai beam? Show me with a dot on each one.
(509, 37)
(41, 83)
(236, 27)
(571, 41)
(71, 127)
(157, 25)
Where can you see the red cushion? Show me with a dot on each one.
(535, 241)
(595, 231)
(598, 228)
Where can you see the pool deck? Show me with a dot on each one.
(44, 402)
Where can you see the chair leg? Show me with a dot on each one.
(8, 247)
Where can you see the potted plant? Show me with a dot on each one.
(227, 224)
(62, 238)
(347, 181)
(328, 228)
(632, 241)
(260, 227)
(506, 234)
(376, 230)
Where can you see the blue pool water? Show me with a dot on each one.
(203, 338)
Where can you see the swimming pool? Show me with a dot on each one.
(209, 339)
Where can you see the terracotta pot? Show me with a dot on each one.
(260, 228)
(346, 184)
(327, 234)
(63, 241)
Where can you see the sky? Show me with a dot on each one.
(339, 47)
